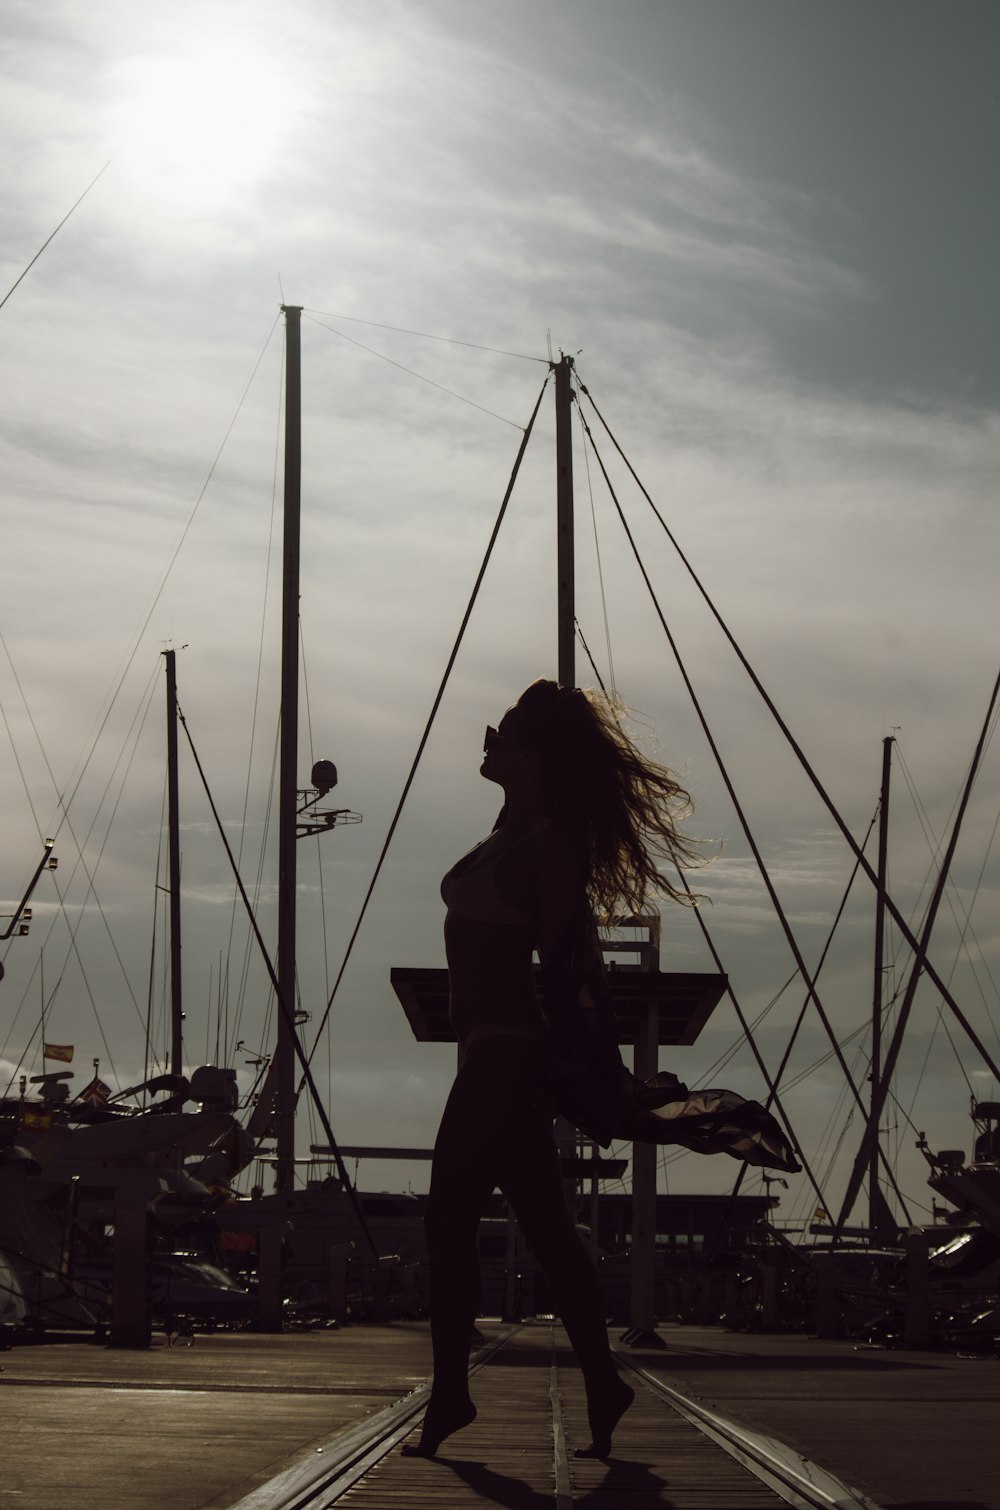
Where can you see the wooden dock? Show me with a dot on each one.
(238, 1421)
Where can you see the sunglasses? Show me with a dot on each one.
(494, 737)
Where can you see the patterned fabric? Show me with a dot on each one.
(594, 1089)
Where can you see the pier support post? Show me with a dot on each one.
(826, 1299)
(769, 1297)
(513, 1306)
(270, 1245)
(337, 1293)
(408, 1275)
(918, 1295)
(642, 1306)
(382, 1286)
(131, 1272)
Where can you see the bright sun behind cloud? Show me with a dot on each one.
(200, 127)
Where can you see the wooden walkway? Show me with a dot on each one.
(245, 1422)
(510, 1457)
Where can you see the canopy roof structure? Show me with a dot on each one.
(682, 999)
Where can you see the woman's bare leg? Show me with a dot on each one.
(461, 1182)
(531, 1180)
(497, 1130)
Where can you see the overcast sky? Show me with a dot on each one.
(768, 230)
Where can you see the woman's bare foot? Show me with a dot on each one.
(605, 1407)
(439, 1422)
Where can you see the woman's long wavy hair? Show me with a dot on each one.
(620, 806)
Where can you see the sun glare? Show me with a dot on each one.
(199, 128)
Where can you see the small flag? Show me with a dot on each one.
(96, 1092)
(36, 1119)
(63, 1051)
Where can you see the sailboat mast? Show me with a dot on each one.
(874, 1205)
(288, 758)
(174, 853)
(564, 523)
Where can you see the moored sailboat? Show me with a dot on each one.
(693, 1121)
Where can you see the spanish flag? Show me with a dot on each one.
(39, 1120)
(63, 1051)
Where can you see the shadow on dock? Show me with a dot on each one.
(941, 1505)
(680, 1361)
(624, 1481)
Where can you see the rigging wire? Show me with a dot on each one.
(55, 233)
(805, 1003)
(590, 658)
(772, 1085)
(905, 1114)
(148, 1048)
(810, 984)
(817, 1064)
(801, 1076)
(26, 1052)
(423, 334)
(24, 783)
(250, 1099)
(891, 1096)
(848, 1121)
(724, 772)
(423, 378)
(954, 896)
(728, 1055)
(286, 1008)
(879, 1092)
(825, 950)
(244, 986)
(319, 860)
(256, 708)
(118, 680)
(432, 715)
(940, 1023)
(139, 718)
(600, 568)
(934, 845)
(734, 1048)
(821, 791)
(830, 1128)
(799, 961)
(801, 1202)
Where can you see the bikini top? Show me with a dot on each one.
(470, 886)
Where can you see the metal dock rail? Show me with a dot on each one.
(520, 1452)
(243, 1421)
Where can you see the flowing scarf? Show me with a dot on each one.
(594, 1089)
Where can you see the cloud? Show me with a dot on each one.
(438, 177)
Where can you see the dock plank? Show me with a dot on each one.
(506, 1456)
(189, 1427)
(908, 1428)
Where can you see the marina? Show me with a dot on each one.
(607, 412)
(127, 1217)
(243, 1422)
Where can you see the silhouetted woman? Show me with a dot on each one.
(584, 819)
